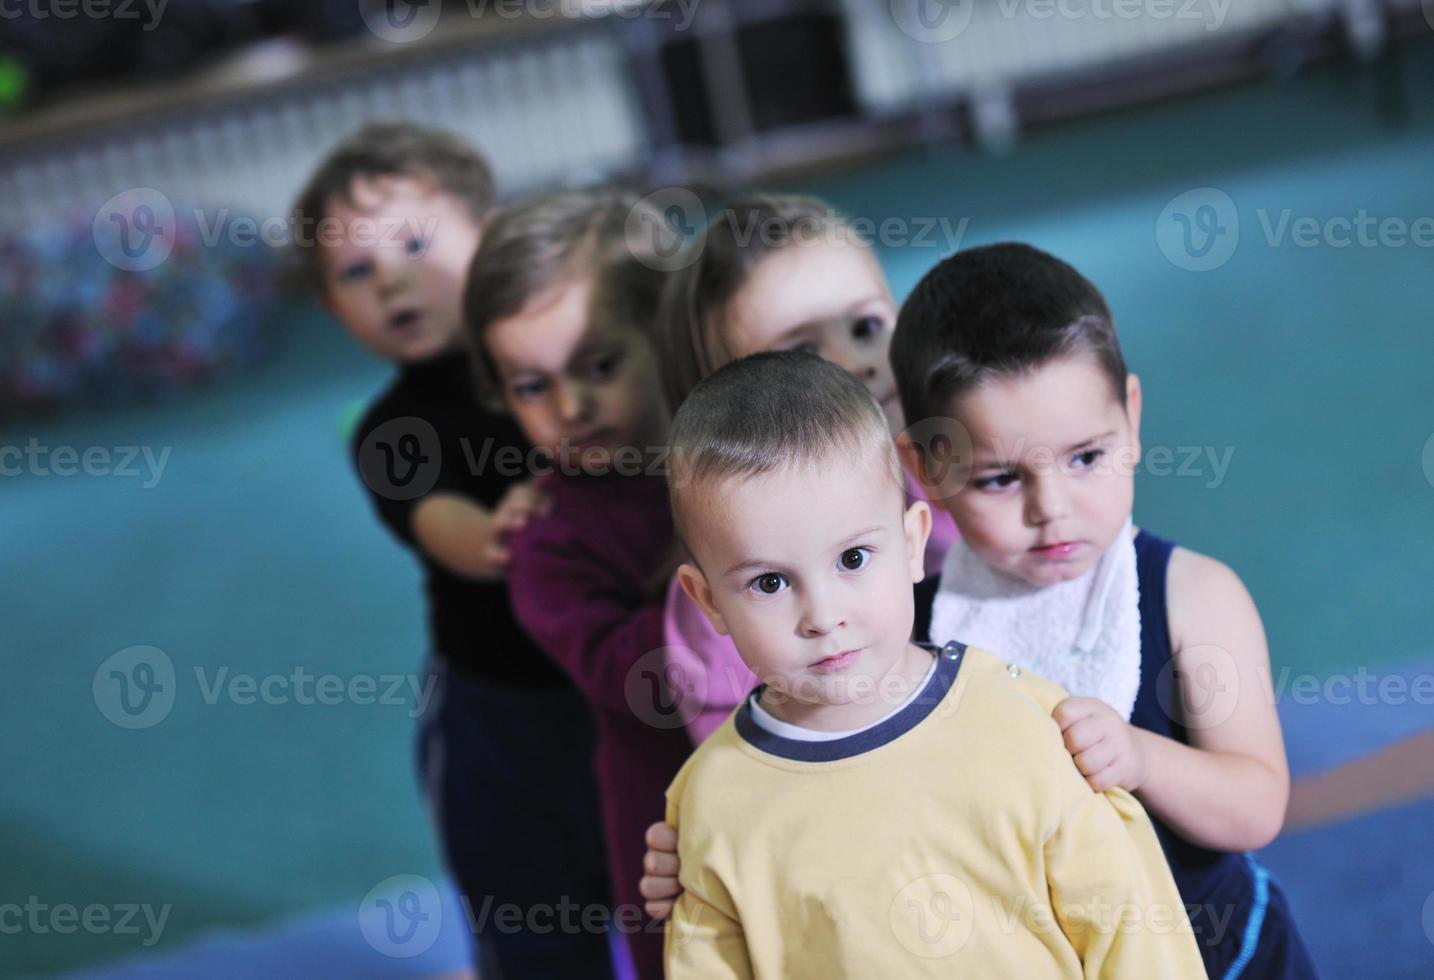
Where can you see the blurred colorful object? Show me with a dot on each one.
(81, 331)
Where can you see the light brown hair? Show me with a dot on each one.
(691, 326)
(385, 149)
(600, 233)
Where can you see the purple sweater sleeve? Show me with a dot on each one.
(578, 609)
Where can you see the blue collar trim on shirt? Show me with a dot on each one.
(948, 664)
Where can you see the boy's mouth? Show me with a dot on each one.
(596, 437)
(837, 661)
(1056, 552)
(405, 321)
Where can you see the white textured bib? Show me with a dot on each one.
(1083, 634)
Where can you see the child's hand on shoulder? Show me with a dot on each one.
(520, 504)
(1101, 743)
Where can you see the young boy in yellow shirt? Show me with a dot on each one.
(875, 808)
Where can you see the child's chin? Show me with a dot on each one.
(1054, 573)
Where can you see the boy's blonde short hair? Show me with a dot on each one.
(770, 410)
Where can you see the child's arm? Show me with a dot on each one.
(1112, 893)
(660, 868)
(568, 601)
(468, 539)
(1229, 788)
(704, 939)
(705, 942)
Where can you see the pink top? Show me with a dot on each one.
(705, 671)
(943, 528)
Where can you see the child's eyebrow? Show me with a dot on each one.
(848, 310)
(1086, 442)
(993, 461)
(860, 534)
(749, 563)
(593, 343)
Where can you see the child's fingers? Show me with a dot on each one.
(1106, 779)
(497, 558)
(1095, 759)
(658, 887)
(661, 911)
(1083, 734)
(660, 864)
(662, 836)
(1072, 710)
(511, 521)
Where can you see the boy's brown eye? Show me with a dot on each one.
(853, 558)
(769, 584)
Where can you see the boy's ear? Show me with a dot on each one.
(917, 524)
(913, 461)
(694, 583)
(1132, 409)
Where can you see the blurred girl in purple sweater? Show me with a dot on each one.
(560, 306)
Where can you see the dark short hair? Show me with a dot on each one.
(770, 410)
(748, 229)
(386, 149)
(604, 234)
(996, 311)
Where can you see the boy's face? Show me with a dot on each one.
(581, 390)
(395, 280)
(1053, 461)
(828, 298)
(809, 569)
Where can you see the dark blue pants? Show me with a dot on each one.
(509, 778)
(1260, 940)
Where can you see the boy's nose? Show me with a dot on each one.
(1046, 500)
(574, 404)
(820, 614)
(392, 274)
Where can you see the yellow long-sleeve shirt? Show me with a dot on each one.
(955, 839)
